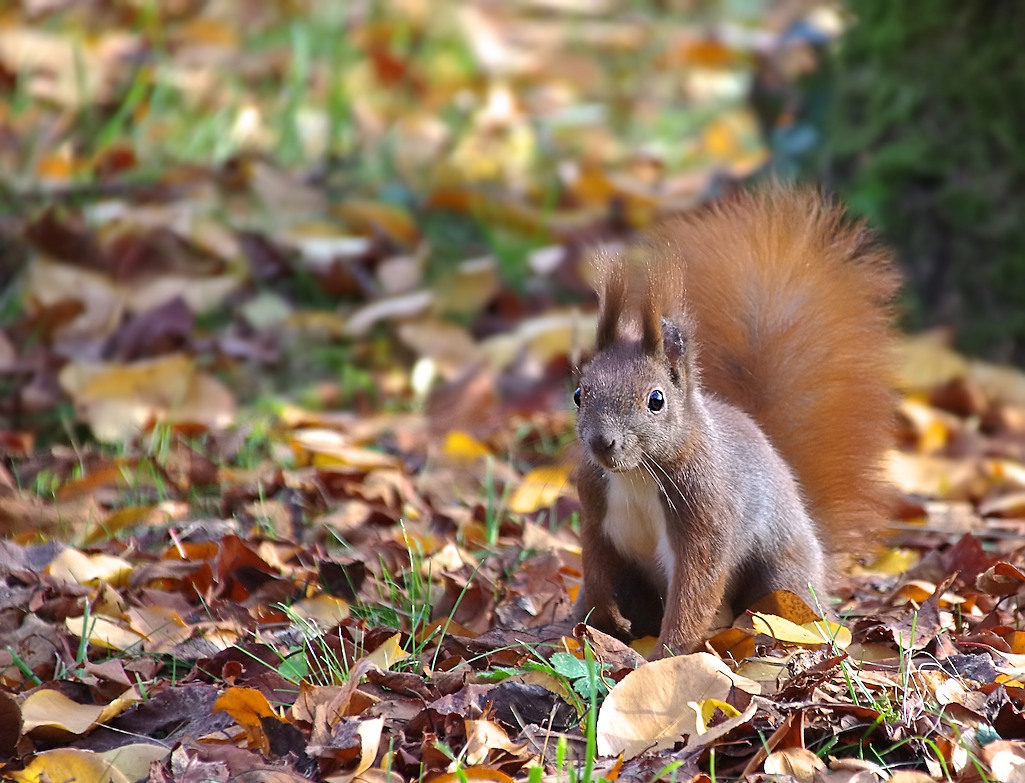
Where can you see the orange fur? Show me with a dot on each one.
(790, 305)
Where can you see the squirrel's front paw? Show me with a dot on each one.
(608, 620)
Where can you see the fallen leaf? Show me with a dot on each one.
(72, 565)
(388, 653)
(540, 488)
(650, 709)
(811, 634)
(134, 760)
(119, 400)
(69, 764)
(803, 765)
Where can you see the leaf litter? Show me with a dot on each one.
(286, 488)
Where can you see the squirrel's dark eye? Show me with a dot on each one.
(656, 401)
(576, 397)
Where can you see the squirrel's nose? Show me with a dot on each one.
(602, 445)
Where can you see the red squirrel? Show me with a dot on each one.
(735, 414)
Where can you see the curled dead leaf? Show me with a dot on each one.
(1001, 579)
(651, 708)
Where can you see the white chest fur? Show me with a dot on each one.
(635, 523)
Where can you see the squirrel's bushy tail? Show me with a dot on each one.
(793, 315)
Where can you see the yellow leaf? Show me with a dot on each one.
(388, 653)
(539, 489)
(707, 709)
(119, 705)
(53, 708)
(644, 646)
(810, 634)
(834, 632)
(124, 517)
(784, 630)
(71, 565)
(374, 217)
(245, 706)
(463, 447)
(68, 764)
(894, 561)
(118, 400)
(326, 610)
(104, 632)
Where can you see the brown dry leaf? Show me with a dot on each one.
(919, 590)
(1006, 760)
(124, 518)
(403, 307)
(909, 776)
(485, 736)
(733, 643)
(1006, 474)
(1000, 580)
(369, 732)
(374, 217)
(1009, 506)
(1000, 382)
(650, 708)
(30, 514)
(467, 288)
(49, 282)
(70, 72)
(68, 764)
(798, 763)
(202, 294)
(483, 774)
(11, 725)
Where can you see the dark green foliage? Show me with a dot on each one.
(927, 139)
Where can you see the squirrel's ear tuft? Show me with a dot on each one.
(611, 271)
(675, 341)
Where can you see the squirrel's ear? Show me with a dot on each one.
(675, 340)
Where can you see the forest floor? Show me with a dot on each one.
(292, 298)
